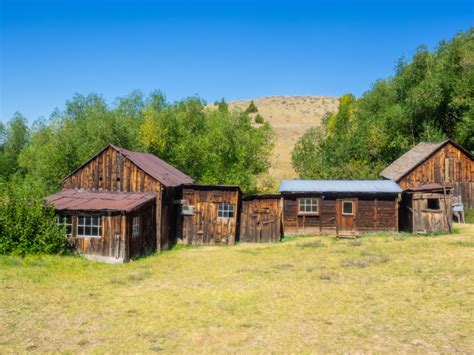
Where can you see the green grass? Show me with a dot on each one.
(469, 215)
(309, 294)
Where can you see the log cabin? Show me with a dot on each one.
(340, 207)
(445, 163)
(426, 209)
(260, 220)
(119, 174)
(209, 214)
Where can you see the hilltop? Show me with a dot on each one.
(290, 117)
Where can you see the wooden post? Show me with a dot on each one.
(446, 206)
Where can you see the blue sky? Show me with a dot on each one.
(50, 50)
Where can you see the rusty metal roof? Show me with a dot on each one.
(155, 167)
(83, 200)
(429, 187)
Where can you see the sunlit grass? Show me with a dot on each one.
(394, 293)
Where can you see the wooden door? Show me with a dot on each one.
(346, 215)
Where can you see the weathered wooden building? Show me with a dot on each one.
(426, 209)
(260, 220)
(342, 207)
(116, 169)
(108, 225)
(443, 163)
(209, 214)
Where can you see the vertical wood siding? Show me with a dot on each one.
(260, 220)
(204, 227)
(448, 165)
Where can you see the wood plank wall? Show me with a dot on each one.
(261, 220)
(204, 227)
(448, 165)
(376, 214)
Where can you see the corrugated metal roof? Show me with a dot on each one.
(155, 167)
(82, 200)
(350, 186)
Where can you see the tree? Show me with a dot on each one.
(259, 118)
(252, 108)
(13, 139)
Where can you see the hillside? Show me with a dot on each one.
(290, 117)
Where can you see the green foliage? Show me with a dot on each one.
(252, 108)
(13, 139)
(430, 98)
(222, 105)
(259, 119)
(212, 146)
(26, 225)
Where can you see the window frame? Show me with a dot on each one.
(306, 205)
(91, 226)
(438, 204)
(136, 226)
(352, 208)
(228, 208)
(65, 222)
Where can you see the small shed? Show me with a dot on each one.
(261, 219)
(426, 209)
(208, 214)
(109, 226)
(341, 207)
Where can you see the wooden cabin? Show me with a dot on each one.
(426, 209)
(113, 226)
(260, 220)
(444, 163)
(116, 169)
(341, 207)
(209, 214)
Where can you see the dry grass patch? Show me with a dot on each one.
(305, 295)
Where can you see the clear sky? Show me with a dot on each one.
(51, 50)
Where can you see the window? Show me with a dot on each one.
(347, 208)
(225, 210)
(433, 204)
(308, 206)
(89, 226)
(136, 227)
(65, 221)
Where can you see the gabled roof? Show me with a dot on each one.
(83, 200)
(158, 169)
(339, 186)
(414, 157)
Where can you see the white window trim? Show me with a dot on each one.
(227, 209)
(352, 208)
(99, 226)
(64, 222)
(311, 213)
(136, 226)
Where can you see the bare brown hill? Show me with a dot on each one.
(290, 117)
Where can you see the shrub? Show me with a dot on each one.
(27, 226)
(259, 118)
(252, 108)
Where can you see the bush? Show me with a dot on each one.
(259, 118)
(26, 225)
(252, 108)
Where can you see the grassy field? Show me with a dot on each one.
(386, 293)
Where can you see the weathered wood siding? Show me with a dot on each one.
(144, 242)
(416, 217)
(260, 220)
(370, 214)
(204, 227)
(111, 171)
(448, 165)
(112, 243)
